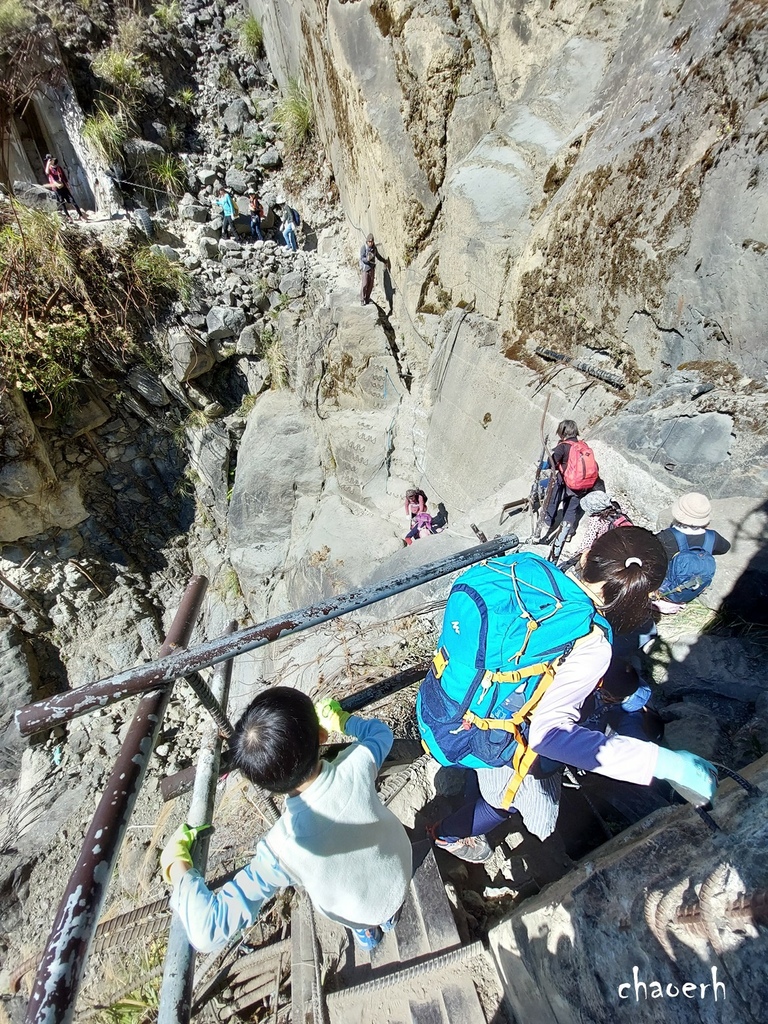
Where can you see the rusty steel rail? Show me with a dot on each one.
(61, 969)
(63, 707)
(178, 973)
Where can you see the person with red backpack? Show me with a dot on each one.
(577, 474)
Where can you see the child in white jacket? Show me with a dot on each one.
(335, 837)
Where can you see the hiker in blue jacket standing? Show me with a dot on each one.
(230, 214)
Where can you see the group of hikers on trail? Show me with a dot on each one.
(531, 677)
(288, 219)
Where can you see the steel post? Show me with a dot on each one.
(46, 714)
(61, 968)
(176, 991)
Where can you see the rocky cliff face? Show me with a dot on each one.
(589, 177)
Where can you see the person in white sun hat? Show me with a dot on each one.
(690, 547)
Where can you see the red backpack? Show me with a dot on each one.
(581, 472)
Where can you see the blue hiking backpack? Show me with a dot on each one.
(295, 217)
(507, 624)
(690, 570)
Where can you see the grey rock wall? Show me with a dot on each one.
(564, 954)
(591, 178)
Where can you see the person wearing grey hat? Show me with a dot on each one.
(603, 515)
(691, 515)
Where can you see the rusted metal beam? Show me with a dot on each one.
(178, 975)
(63, 707)
(61, 969)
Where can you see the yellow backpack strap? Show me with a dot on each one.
(547, 671)
(524, 756)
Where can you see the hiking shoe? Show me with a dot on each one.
(367, 938)
(388, 926)
(475, 849)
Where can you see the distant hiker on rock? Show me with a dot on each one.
(255, 212)
(421, 518)
(59, 183)
(368, 256)
(521, 649)
(335, 838)
(690, 547)
(577, 474)
(290, 221)
(227, 205)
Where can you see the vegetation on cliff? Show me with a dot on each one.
(67, 299)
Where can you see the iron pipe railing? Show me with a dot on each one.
(63, 707)
(178, 972)
(61, 969)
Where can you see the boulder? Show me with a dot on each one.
(141, 153)
(166, 250)
(208, 247)
(292, 284)
(190, 356)
(225, 321)
(195, 212)
(235, 116)
(249, 341)
(270, 159)
(148, 386)
(237, 180)
(208, 175)
(277, 484)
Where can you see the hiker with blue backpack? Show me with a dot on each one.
(523, 645)
(576, 473)
(690, 548)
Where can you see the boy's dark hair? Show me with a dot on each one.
(277, 740)
(567, 430)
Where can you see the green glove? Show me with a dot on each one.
(330, 715)
(178, 847)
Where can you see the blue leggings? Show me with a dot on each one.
(475, 817)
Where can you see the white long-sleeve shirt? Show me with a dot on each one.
(336, 839)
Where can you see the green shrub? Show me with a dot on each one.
(105, 133)
(15, 16)
(120, 69)
(295, 115)
(251, 37)
(130, 31)
(175, 134)
(168, 14)
(185, 98)
(278, 366)
(67, 297)
(169, 174)
(163, 278)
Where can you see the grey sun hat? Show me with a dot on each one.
(594, 502)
